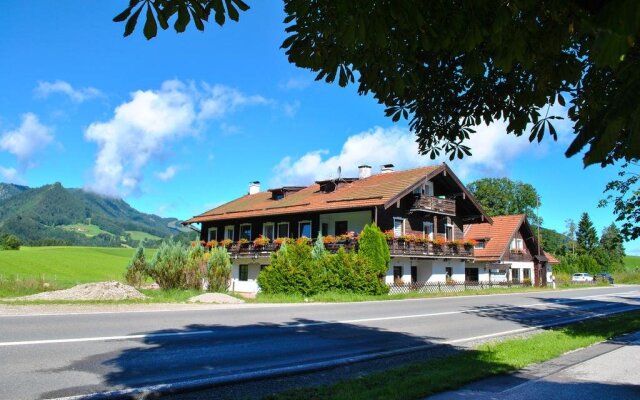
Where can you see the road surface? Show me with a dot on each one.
(63, 355)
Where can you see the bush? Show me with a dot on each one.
(9, 242)
(195, 269)
(218, 270)
(292, 271)
(167, 266)
(137, 268)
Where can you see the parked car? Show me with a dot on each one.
(605, 277)
(582, 277)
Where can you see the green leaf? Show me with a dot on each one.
(241, 5)
(162, 20)
(150, 27)
(231, 11)
(561, 100)
(183, 19)
(123, 15)
(131, 23)
(197, 21)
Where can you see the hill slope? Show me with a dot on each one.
(52, 214)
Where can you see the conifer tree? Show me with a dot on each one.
(586, 235)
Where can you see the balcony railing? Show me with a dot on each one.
(435, 205)
(397, 248)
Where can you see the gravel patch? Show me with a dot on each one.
(217, 298)
(111, 290)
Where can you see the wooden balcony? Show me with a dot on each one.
(434, 205)
(397, 248)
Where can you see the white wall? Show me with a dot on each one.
(356, 221)
(521, 266)
(248, 286)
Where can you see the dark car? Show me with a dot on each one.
(605, 277)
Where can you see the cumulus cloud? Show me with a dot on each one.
(79, 95)
(168, 173)
(295, 83)
(29, 138)
(144, 126)
(492, 150)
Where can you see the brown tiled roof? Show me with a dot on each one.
(375, 190)
(551, 258)
(500, 234)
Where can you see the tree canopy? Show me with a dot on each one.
(626, 202)
(586, 235)
(448, 66)
(502, 196)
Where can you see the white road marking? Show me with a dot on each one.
(301, 325)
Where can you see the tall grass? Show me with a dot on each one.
(627, 277)
(14, 285)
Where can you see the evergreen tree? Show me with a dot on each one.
(611, 242)
(586, 235)
(374, 249)
(137, 268)
(318, 250)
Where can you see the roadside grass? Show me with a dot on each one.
(435, 375)
(35, 269)
(632, 262)
(341, 297)
(627, 276)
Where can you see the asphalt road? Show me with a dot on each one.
(52, 356)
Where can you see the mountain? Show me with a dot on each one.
(52, 214)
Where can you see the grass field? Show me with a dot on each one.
(138, 235)
(61, 267)
(84, 229)
(632, 262)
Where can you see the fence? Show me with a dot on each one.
(450, 287)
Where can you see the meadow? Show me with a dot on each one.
(32, 268)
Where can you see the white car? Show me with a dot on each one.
(581, 277)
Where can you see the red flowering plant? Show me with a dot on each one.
(211, 244)
(226, 243)
(243, 241)
(470, 243)
(455, 243)
(438, 242)
(329, 239)
(261, 241)
(279, 241)
(389, 234)
(303, 240)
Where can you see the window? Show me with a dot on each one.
(228, 232)
(471, 275)
(448, 232)
(515, 275)
(517, 244)
(448, 273)
(268, 229)
(427, 230)
(245, 231)
(414, 274)
(212, 234)
(526, 273)
(342, 227)
(397, 274)
(428, 189)
(325, 229)
(304, 229)
(479, 244)
(283, 229)
(398, 226)
(244, 273)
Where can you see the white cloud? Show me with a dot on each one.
(44, 89)
(295, 83)
(218, 100)
(10, 175)
(168, 173)
(290, 109)
(492, 150)
(143, 127)
(29, 138)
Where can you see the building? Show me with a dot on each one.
(417, 205)
(508, 250)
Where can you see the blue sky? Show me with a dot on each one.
(184, 122)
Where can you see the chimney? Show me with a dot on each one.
(385, 169)
(254, 187)
(364, 171)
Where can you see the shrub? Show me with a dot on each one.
(9, 242)
(195, 270)
(318, 250)
(292, 271)
(219, 270)
(374, 250)
(137, 268)
(167, 266)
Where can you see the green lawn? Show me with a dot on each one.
(60, 267)
(138, 235)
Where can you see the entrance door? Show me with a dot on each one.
(471, 274)
(414, 274)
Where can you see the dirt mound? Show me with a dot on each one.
(112, 290)
(219, 298)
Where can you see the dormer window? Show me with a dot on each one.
(281, 193)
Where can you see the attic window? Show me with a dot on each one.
(479, 244)
(281, 193)
(277, 195)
